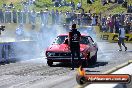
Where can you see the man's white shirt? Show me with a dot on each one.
(122, 30)
(79, 5)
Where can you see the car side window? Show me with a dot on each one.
(90, 40)
(60, 40)
(84, 40)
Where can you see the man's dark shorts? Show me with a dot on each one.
(121, 40)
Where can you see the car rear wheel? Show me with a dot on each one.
(50, 63)
(86, 62)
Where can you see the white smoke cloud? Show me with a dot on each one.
(40, 41)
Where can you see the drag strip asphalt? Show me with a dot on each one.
(35, 73)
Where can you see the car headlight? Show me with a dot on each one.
(81, 55)
(50, 54)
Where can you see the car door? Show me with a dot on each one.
(93, 46)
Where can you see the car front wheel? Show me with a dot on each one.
(50, 63)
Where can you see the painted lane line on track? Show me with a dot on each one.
(109, 72)
(40, 59)
(118, 67)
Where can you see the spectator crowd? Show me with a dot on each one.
(112, 23)
(46, 17)
(129, 8)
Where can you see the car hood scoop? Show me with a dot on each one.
(60, 47)
(65, 47)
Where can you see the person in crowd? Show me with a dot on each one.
(125, 4)
(127, 23)
(33, 17)
(110, 24)
(68, 17)
(104, 27)
(31, 1)
(86, 18)
(47, 15)
(25, 8)
(73, 17)
(61, 17)
(130, 28)
(45, 18)
(24, 16)
(19, 12)
(115, 1)
(11, 5)
(42, 16)
(73, 5)
(79, 19)
(89, 18)
(53, 16)
(129, 9)
(92, 1)
(56, 3)
(96, 18)
(93, 23)
(29, 16)
(120, 1)
(121, 37)
(1, 16)
(117, 25)
(122, 18)
(63, 3)
(56, 16)
(24, 3)
(104, 20)
(4, 5)
(79, 5)
(59, 1)
(14, 14)
(83, 19)
(74, 44)
(7, 16)
(104, 2)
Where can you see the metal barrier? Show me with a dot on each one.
(15, 51)
(4, 51)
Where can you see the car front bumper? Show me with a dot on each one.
(63, 59)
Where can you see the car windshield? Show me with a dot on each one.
(61, 39)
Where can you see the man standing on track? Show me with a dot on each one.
(74, 43)
(121, 37)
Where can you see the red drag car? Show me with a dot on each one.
(59, 51)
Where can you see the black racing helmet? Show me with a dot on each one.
(73, 26)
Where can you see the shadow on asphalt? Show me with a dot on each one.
(3, 63)
(68, 65)
(8, 62)
(98, 64)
